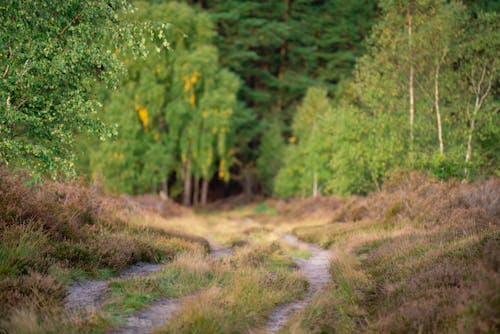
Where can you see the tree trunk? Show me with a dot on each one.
(204, 191)
(436, 106)
(164, 190)
(469, 146)
(315, 184)
(411, 79)
(247, 182)
(480, 97)
(187, 184)
(196, 194)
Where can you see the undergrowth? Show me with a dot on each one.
(53, 233)
(420, 256)
(249, 286)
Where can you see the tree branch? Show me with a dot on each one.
(23, 72)
(7, 68)
(69, 25)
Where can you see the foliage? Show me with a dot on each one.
(371, 131)
(279, 49)
(305, 168)
(52, 53)
(175, 112)
(271, 153)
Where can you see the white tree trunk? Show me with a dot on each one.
(315, 184)
(436, 106)
(411, 79)
(480, 97)
(186, 200)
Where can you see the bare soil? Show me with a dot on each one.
(86, 295)
(316, 271)
(156, 314)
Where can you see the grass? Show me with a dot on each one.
(54, 233)
(259, 278)
(185, 275)
(264, 208)
(233, 294)
(57, 233)
(421, 256)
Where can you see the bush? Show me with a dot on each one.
(51, 230)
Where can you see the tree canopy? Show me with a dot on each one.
(52, 54)
(289, 98)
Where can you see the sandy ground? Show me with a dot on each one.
(85, 296)
(316, 271)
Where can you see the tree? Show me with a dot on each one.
(52, 53)
(271, 153)
(479, 65)
(174, 114)
(279, 49)
(309, 150)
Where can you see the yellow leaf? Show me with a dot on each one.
(192, 99)
(142, 112)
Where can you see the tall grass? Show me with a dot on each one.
(52, 233)
(420, 256)
(256, 279)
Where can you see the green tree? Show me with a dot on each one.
(479, 65)
(52, 53)
(279, 49)
(175, 112)
(308, 153)
(271, 153)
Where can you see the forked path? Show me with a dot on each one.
(156, 314)
(86, 296)
(316, 271)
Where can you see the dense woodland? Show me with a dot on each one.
(286, 98)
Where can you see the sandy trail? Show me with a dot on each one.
(157, 313)
(316, 271)
(87, 295)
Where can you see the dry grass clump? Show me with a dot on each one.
(252, 282)
(51, 233)
(185, 275)
(28, 320)
(35, 290)
(418, 197)
(420, 256)
(317, 207)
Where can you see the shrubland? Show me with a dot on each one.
(419, 256)
(53, 233)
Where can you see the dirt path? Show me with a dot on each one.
(87, 295)
(316, 271)
(157, 313)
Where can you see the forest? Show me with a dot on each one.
(249, 166)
